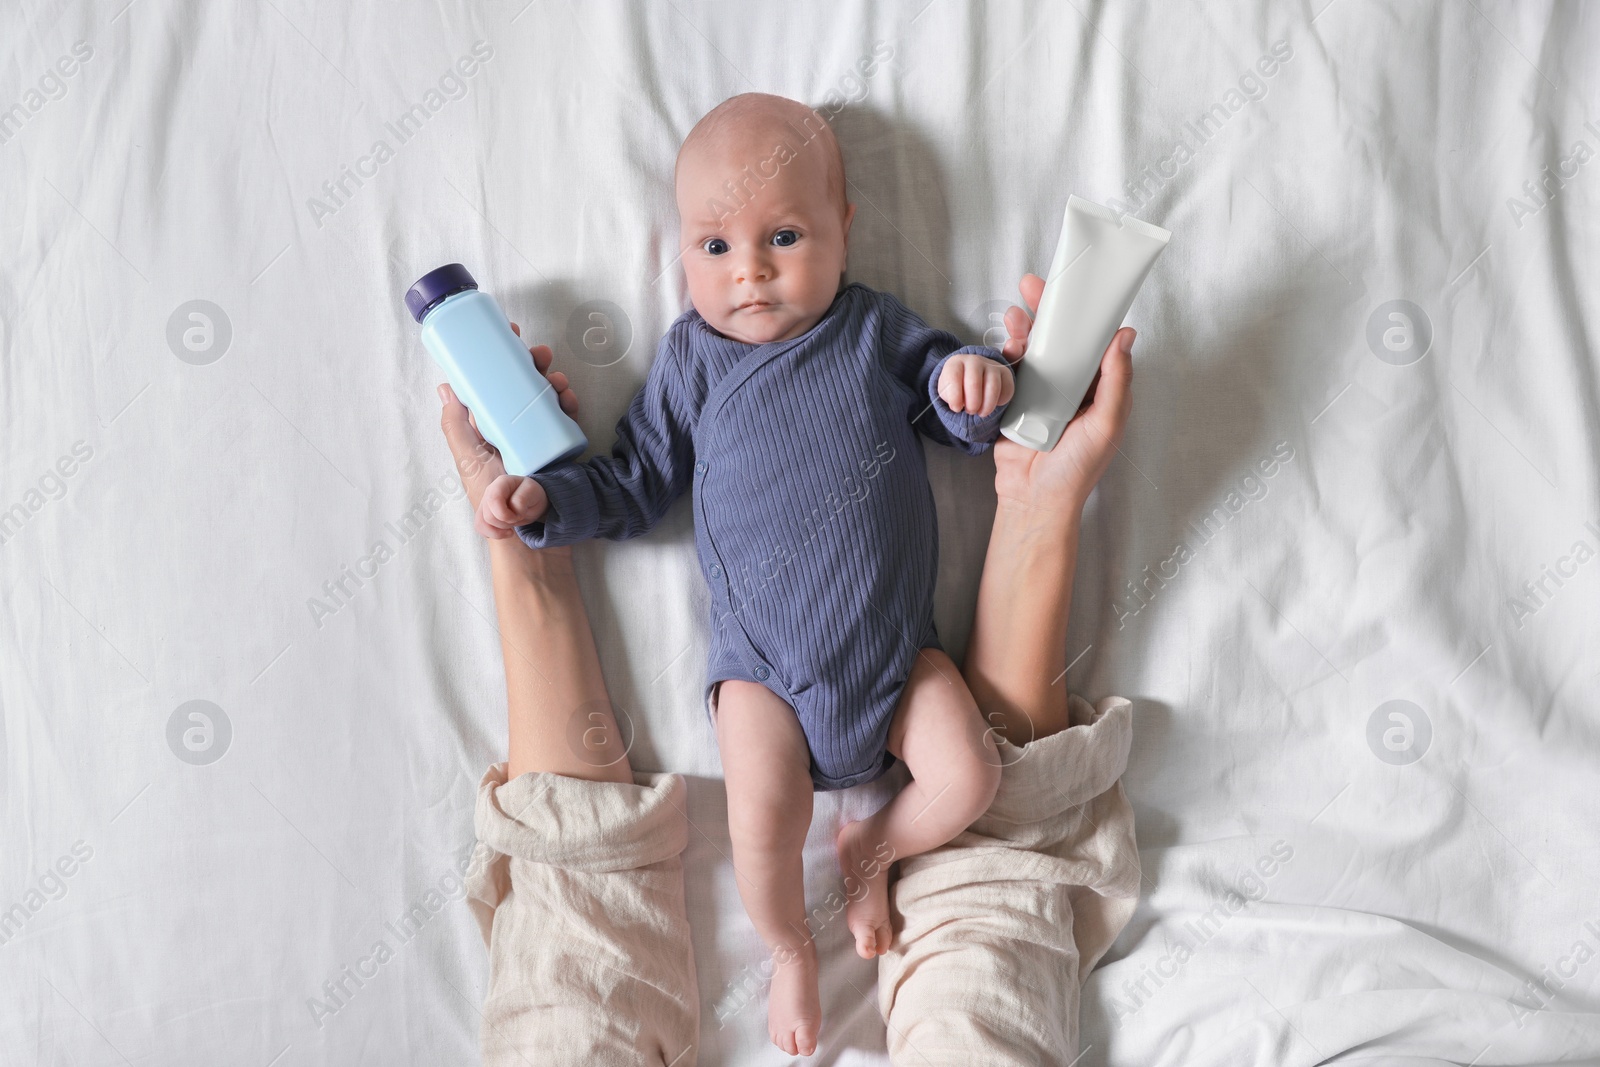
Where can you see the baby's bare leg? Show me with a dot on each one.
(955, 771)
(766, 765)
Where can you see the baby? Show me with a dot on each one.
(788, 404)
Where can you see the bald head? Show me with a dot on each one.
(763, 220)
(763, 132)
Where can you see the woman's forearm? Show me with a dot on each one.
(558, 709)
(1017, 657)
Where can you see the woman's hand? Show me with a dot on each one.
(553, 677)
(477, 461)
(1060, 480)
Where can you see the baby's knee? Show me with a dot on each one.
(972, 784)
(985, 778)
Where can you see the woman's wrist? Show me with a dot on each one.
(1017, 652)
(1030, 519)
(513, 560)
(1031, 550)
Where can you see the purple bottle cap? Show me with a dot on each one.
(435, 285)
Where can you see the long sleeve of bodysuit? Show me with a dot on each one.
(625, 494)
(916, 353)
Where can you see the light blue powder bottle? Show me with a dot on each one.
(491, 371)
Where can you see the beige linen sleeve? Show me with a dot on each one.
(577, 887)
(996, 931)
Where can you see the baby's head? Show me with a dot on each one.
(764, 218)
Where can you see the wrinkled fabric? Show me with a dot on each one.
(996, 931)
(176, 529)
(577, 887)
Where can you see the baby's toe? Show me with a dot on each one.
(866, 940)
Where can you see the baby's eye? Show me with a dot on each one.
(785, 238)
(715, 246)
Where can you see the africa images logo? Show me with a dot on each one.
(451, 85)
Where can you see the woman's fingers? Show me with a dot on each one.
(460, 432)
(542, 354)
(1088, 397)
(1018, 322)
(558, 379)
(1017, 327)
(472, 420)
(1031, 288)
(1063, 478)
(1113, 395)
(476, 460)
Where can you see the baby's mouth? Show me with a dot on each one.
(754, 305)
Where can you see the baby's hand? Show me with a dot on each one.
(509, 502)
(975, 384)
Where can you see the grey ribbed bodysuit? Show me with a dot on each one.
(814, 521)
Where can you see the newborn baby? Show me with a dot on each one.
(789, 404)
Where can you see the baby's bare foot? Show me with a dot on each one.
(794, 1009)
(865, 864)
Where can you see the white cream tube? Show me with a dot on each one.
(1101, 261)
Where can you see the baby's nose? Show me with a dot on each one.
(753, 269)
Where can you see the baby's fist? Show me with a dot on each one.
(975, 384)
(509, 502)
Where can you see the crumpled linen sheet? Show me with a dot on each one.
(1371, 510)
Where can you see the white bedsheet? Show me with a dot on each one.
(194, 507)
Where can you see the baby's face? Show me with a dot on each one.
(767, 270)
